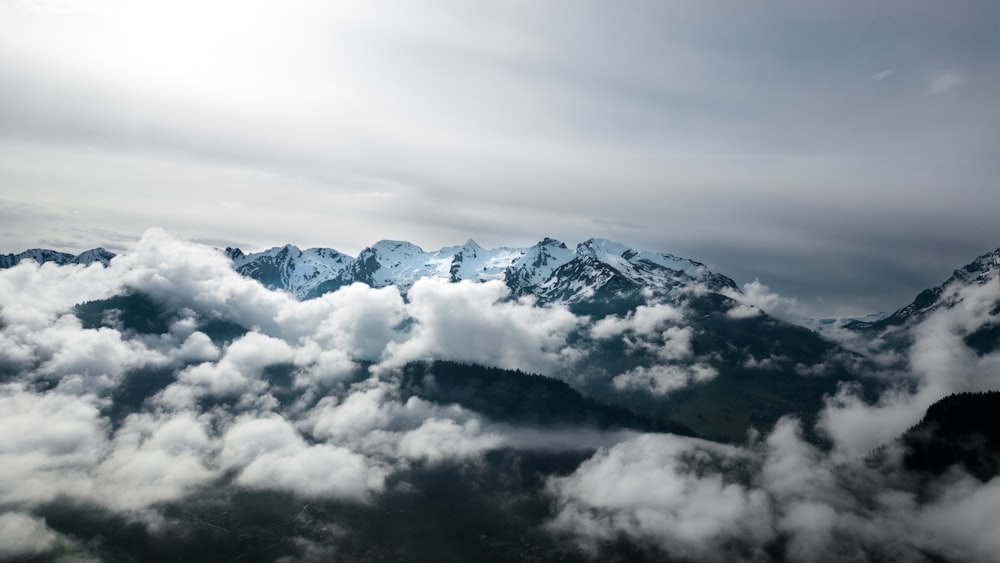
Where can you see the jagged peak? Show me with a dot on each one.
(289, 250)
(234, 253)
(551, 242)
(989, 260)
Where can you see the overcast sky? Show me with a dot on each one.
(845, 153)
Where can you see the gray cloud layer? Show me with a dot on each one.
(843, 152)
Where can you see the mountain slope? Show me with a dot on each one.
(981, 271)
(961, 429)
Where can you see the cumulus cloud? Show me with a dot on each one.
(474, 322)
(271, 454)
(218, 415)
(50, 444)
(23, 536)
(646, 489)
(155, 458)
(759, 297)
(33, 296)
(437, 440)
(663, 379)
(704, 501)
(357, 320)
(655, 332)
(643, 321)
(239, 369)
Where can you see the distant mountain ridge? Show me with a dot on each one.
(43, 256)
(549, 270)
(984, 269)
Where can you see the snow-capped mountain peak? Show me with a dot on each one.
(536, 264)
(290, 268)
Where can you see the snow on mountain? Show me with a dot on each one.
(402, 263)
(289, 268)
(393, 262)
(548, 270)
(536, 264)
(980, 271)
(42, 256)
(473, 262)
(605, 267)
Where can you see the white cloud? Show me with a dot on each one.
(271, 454)
(661, 380)
(704, 501)
(240, 368)
(642, 488)
(32, 297)
(759, 297)
(155, 458)
(742, 311)
(343, 442)
(439, 440)
(23, 536)
(643, 321)
(50, 444)
(357, 320)
(472, 322)
(962, 522)
(315, 471)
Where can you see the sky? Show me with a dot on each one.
(843, 153)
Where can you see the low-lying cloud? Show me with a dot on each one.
(218, 419)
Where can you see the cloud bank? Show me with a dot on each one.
(215, 416)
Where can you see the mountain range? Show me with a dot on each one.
(42, 256)
(548, 270)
